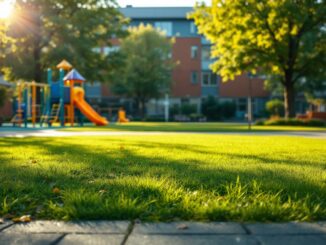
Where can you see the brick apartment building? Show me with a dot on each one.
(6, 110)
(192, 78)
(193, 81)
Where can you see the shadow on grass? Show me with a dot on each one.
(120, 183)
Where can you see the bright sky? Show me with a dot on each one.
(160, 3)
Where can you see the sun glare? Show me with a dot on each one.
(6, 8)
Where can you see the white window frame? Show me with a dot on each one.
(193, 28)
(203, 73)
(165, 26)
(194, 52)
(192, 76)
(203, 49)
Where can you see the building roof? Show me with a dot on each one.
(156, 12)
(64, 65)
(74, 76)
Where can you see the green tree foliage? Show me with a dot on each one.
(3, 38)
(215, 110)
(146, 72)
(46, 31)
(315, 93)
(275, 107)
(284, 39)
(187, 109)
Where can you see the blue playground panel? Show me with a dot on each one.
(55, 94)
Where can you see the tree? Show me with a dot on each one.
(283, 39)
(215, 110)
(211, 108)
(3, 38)
(146, 72)
(315, 93)
(46, 31)
(275, 107)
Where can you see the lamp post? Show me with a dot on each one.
(249, 104)
(166, 107)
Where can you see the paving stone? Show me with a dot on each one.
(189, 228)
(70, 227)
(288, 228)
(5, 224)
(28, 239)
(98, 239)
(138, 239)
(292, 240)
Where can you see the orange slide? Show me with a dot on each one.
(86, 109)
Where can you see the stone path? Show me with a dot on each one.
(57, 133)
(175, 233)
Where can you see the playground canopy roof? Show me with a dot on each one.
(75, 76)
(64, 65)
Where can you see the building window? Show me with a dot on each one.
(96, 50)
(93, 89)
(108, 50)
(242, 105)
(209, 79)
(193, 28)
(194, 77)
(205, 78)
(206, 53)
(194, 52)
(164, 26)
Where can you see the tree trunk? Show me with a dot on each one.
(289, 100)
(142, 109)
(37, 46)
(37, 66)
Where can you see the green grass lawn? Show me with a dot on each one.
(191, 127)
(167, 177)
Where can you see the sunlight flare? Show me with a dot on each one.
(6, 8)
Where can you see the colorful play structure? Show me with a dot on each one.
(56, 101)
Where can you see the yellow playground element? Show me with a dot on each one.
(122, 116)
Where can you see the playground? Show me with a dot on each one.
(56, 103)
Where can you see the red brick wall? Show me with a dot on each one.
(6, 110)
(239, 87)
(106, 91)
(181, 75)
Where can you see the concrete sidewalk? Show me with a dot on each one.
(175, 233)
(57, 133)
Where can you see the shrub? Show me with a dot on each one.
(228, 109)
(275, 107)
(260, 122)
(174, 110)
(215, 110)
(315, 123)
(187, 109)
(210, 108)
(195, 117)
